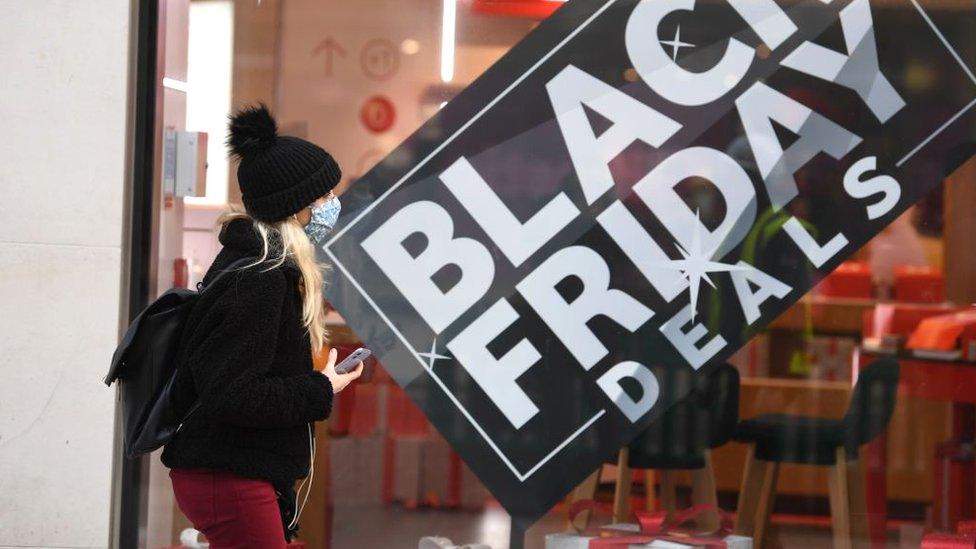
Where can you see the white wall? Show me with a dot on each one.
(64, 68)
(327, 106)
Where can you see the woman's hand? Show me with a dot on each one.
(340, 381)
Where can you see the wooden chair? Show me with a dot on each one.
(680, 439)
(834, 443)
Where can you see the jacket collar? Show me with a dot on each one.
(241, 236)
(241, 239)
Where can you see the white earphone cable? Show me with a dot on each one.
(310, 479)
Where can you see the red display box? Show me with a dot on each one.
(850, 279)
(919, 285)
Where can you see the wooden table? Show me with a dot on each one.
(825, 315)
(813, 315)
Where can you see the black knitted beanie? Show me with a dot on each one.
(279, 175)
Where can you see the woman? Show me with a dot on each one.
(247, 346)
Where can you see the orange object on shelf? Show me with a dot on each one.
(919, 284)
(900, 319)
(850, 279)
(947, 333)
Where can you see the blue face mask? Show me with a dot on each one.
(324, 218)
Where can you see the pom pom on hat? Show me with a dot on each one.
(251, 129)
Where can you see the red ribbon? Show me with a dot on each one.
(659, 522)
(659, 525)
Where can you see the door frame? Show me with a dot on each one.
(130, 477)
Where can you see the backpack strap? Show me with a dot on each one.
(201, 287)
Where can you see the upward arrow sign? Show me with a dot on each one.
(331, 48)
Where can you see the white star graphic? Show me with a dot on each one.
(697, 264)
(676, 44)
(432, 356)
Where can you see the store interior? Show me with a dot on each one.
(358, 77)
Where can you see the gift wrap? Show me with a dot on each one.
(566, 540)
(731, 542)
(570, 540)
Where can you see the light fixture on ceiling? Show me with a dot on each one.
(448, 27)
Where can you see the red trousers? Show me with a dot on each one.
(233, 512)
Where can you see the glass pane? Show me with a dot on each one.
(882, 459)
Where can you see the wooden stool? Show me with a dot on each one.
(834, 443)
(679, 440)
(848, 507)
(702, 492)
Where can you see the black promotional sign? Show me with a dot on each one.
(624, 199)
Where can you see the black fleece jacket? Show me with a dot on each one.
(246, 353)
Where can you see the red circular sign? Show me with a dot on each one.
(378, 114)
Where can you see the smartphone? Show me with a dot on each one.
(350, 362)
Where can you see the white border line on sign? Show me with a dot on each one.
(935, 133)
(965, 68)
(457, 403)
(942, 38)
(465, 126)
(474, 119)
(327, 246)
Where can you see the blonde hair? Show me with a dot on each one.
(295, 245)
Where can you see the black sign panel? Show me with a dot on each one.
(623, 201)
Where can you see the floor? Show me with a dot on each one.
(394, 528)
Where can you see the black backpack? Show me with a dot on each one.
(145, 365)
